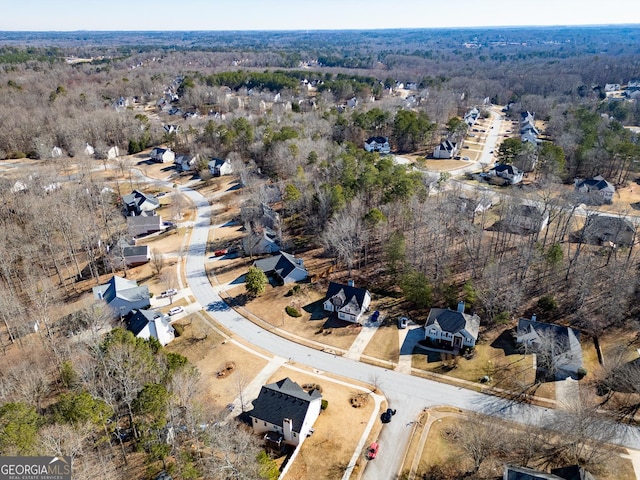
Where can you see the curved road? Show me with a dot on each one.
(408, 394)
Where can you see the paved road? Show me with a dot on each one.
(408, 394)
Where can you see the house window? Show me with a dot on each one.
(255, 420)
(295, 435)
(265, 424)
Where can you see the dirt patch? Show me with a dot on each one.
(226, 370)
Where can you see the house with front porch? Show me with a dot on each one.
(453, 329)
(347, 301)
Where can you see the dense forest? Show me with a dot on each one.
(293, 107)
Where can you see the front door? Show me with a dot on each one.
(457, 342)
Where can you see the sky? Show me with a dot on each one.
(70, 15)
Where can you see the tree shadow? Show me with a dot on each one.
(506, 343)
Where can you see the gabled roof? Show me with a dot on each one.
(504, 168)
(603, 228)
(453, 321)
(447, 145)
(567, 340)
(135, 251)
(118, 287)
(283, 399)
(159, 327)
(597, 183)
(574, 472)
(217, 162)
(377, 140)
(524, 473)
(346, 298)
(136, 198)
(283, 264)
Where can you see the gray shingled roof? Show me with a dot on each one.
(453, 321)
(283, 399)
(283, 264)
(345, 295)
(596, 183)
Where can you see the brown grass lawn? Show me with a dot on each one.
(326, 454)
(436, 165)
(312, 325)
(385, 343)
(443, 451)
(207, 350)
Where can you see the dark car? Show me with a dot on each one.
(386, 416)
(374, 317)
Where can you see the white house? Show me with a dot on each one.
(510, 173)
(162, 155)
(219, 167)
(453, 328)
(56, 152)
(285, 267)
(446, 149)
(186, 163)
(557, 348)
(347, 301)
(595, 190)
(112, 153)
(150, 323)
(377, 144)
(287, 410)
(139, 203)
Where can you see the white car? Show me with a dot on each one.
(169, 293)
(176, 310)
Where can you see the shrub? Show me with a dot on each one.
(582, 372)
(547, 303)
(179, 329)
(324, 404)
(293, 311)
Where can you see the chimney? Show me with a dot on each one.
(300, 262)
(533, 317)
(287, 429)
(461, 306)
(350, 283)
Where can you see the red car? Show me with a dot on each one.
(372, 451)
(220, 253)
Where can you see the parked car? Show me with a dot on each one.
(374, 317)
(169, 293)
(402, 322)
(220, 253)
(372, 451)
(466, 158)
(386, 416)
(176, 310)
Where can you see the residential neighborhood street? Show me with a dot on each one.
(407, 394)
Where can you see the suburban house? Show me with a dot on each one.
(285, 412)
(525, 218)
(261, 242)
(162, 155)
(510, 173)
(611, 87)
(347, 301)
(150, 323)
(143, 225)
(452, 328)
(471, 117)
(186, 163)
(607, 231)
(88, 150)
(573, 472)
(473, 206)
(285, 267)
(557, 348)
(138, 203)
(219, 167)
(530, 137)
(122, 295)
(595, 190)
(124, 254)
(377, 144)
(446, 149)
(112, 153)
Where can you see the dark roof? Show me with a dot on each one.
(138, 319)
(283, 264)
(345, 294)
(217, 162)
(136, 198)
(524, 473)
(600, 229)
(510, 169)
(573, 472)
(447, 145)
(567, 340)
(377, 140)
(453, 321)
(283, 399)
(135, 251)
(596, 183)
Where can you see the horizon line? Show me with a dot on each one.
(319, 30)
